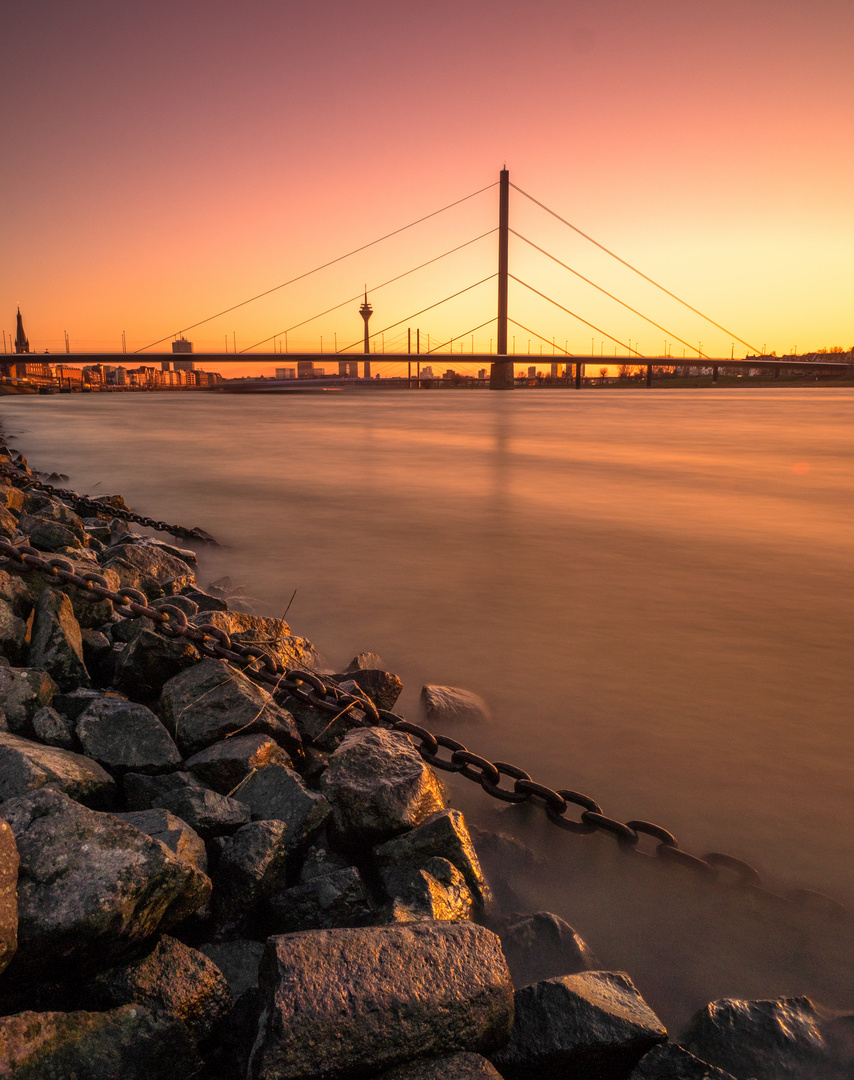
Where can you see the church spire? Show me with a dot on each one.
(22, 345)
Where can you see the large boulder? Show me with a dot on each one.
(442, 835)
(8, 895)
(341, 1003)
(769, 1039)
(132, 1042)
(451, 1067)
(670, 1062)
(23, 691)
(53, 729)
(91, 886)
(250, 868)
(592, 1024)
(339, 898)
(173, 977)
(378, 786)
(225, 764)
(154, 563)
(176, 834)
(435, 891)
(542, 946)
(142, 790)
(57, 645)
(443, 704)
(149, 661)
(207, 812)
(381, 687)
(27, 766)
(212, 700)
(124, 736)
(279, 793)
(14, 634)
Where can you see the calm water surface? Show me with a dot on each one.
(652, 590)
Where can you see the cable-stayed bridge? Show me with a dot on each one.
(361, 352)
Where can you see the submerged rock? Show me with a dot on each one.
(449, 703)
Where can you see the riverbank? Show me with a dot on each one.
(250, 816)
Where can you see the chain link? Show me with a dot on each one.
(85, 502)
(326, 695)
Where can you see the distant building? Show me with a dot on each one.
(305, 369)
(22, 344)
(166, 365)
(555, 370)
(348, 369)
(182, 346)
(286, 373)
(427, 372)
(482, 373)
(532, 372)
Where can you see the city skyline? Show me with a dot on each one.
(169, 166)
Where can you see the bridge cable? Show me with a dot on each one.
(415, 314)
(528, 330)
(575, 316)
(634, 269)
(308, 273)
(628, 307)
(374, 289)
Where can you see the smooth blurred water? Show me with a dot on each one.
(652, 590)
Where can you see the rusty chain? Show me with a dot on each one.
(326, 695)
(86, 502)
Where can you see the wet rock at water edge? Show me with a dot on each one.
(205, 811)
(57, 645)
(452, 1067)
(378, 786)
(90, 885)
(337, 899)
(149, 661)
(225, 764)
(53, 729)
(442, 835)
(365, 661)
(381, 687)
(23, 691)
(172, 977)
(47, 535)
(542, 946)
(251, 867)
(26, 766)
(279, 793)
(184, 554)
(124, 736)
(8, 895)
(769, 1039)
(435, 891)
(449, 703)
(352, 1002)
(671, 1062)
(595, 1023)
(132, 1042)
(212, 699)
(170, 830)
(151, 560)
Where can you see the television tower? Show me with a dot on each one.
(366, 311)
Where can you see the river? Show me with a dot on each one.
(651, 589)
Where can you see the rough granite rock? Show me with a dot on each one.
(452, 1067)
(591, 1024)
(152, 560)
(149, 661)
(132, 1043)
(671, 1062)
(381, 687)
(279, 793)
(124, 736)
(176, 834)
(172, 977)
(770, 1039)
(53, 729)
(442, 835)
(542, 946)
(435, 891)
(8, 895)
(378, 786)
(212, 699)
(336, 899)
(27, 766)
(47, 535)
(239, 961)
(90, 885)
(225, 764)
(13, 635)
(448, 703)
(142, 791)
(205, 811)
(339, 1003)
(250, 868)
(23, 691)
(57, 645)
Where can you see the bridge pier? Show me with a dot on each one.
(579, 375)
(501, 375)
(714, 373)
(649, 374)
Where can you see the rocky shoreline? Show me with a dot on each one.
(206, 877)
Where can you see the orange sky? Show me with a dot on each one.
(164, 161)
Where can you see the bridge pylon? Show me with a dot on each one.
(501, 371)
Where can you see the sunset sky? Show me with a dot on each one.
(163, 161)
